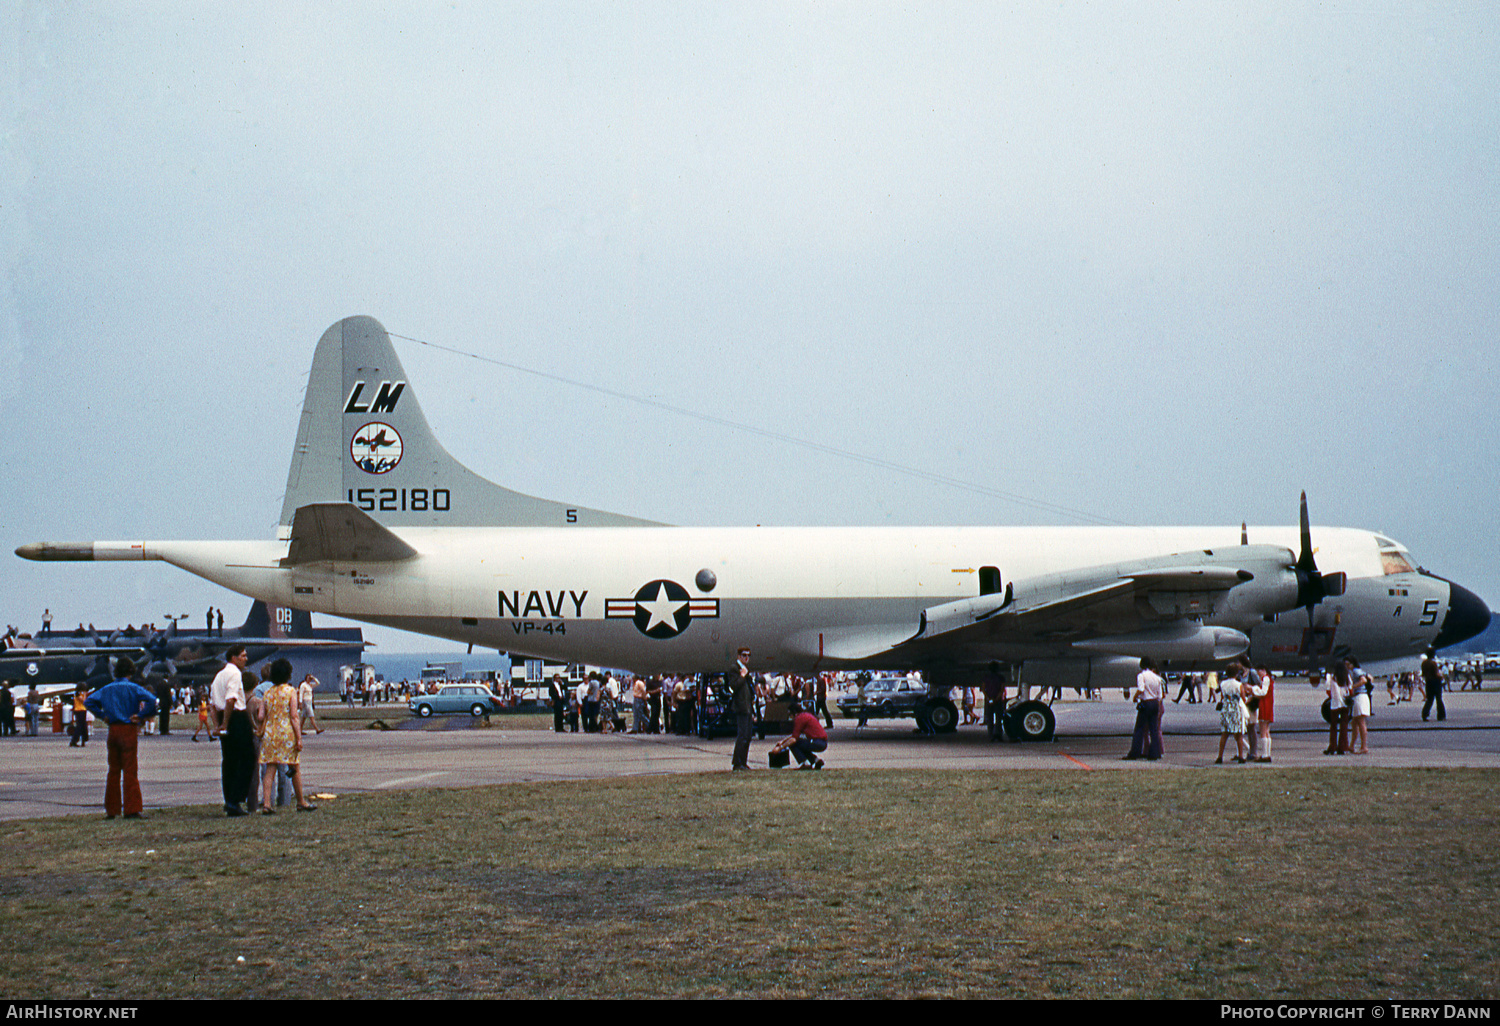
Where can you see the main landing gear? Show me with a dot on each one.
(1029, 721)
(1025, 719)
(940, 714)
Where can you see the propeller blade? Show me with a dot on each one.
(1313, 586)
(1305, 557)
(1310, 586)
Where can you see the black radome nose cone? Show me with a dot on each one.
(1467, 616)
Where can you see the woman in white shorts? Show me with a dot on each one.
(1359, 713)
(305, 703)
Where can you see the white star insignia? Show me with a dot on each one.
(662, 609)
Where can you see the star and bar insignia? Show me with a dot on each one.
(661, 609)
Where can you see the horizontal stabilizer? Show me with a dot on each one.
(337, 532)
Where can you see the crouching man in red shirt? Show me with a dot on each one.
(808, 738)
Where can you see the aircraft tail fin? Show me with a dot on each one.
(275, 622)
(257, 622)
(364, 440)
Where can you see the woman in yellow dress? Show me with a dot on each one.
(282, 744)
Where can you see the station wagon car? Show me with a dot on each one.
(474, 699)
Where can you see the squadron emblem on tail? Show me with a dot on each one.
(376, 448)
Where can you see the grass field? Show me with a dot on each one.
(1287, 883)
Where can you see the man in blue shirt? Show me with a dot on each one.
(122, 704)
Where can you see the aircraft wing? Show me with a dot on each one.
(45, 691)
(93, 651)
(1135, 608)
(200, 650)
(1152, 607)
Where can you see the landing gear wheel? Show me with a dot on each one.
(1031, 721)
(943, 716)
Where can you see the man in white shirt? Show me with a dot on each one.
(233, 727)
(1338, 712)
(1150, 689)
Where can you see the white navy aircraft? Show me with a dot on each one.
(381, 524)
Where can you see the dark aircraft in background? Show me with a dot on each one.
(61, 662)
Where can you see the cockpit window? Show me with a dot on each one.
(1394, 559)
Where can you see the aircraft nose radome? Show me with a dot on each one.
(1467, 616)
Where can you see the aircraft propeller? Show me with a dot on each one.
(1313, 586)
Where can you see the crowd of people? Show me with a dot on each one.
(260, 728)
(1243, 696)
(1245, 699)
(667, 703)
(260, 724)
(596, 704)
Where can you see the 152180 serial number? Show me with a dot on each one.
(401, 500)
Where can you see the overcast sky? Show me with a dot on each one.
(1149, 263)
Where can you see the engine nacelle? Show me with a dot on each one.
(1269, 593)
(1179, 642)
